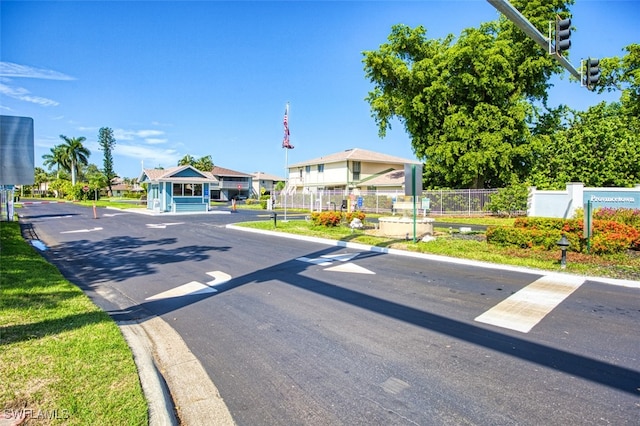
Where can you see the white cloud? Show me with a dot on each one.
(88, 129)
(159, 124)
(7, 88)
(10, 69)
(150, 155)
(155, 141)
(127, 135)
(149, 133)
(23, 94)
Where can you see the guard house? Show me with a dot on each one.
(178, 189)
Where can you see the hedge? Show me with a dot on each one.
(608, 236)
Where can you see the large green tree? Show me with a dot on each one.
(465, 102)
(623, 75)
(600, 146)
(75, 153)
(107, 143)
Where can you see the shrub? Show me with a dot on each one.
(355, 215)
(76, 192)
(264, 198)
(544, 233)
(613, 237)
(328, 218)
(629, 217)
(509, 201)
(524, 238)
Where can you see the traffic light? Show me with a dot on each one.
(563, 32)
(592, 73)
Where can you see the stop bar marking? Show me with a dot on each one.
(524, 309)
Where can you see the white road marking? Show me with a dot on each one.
(317, 261)
(327, 259)
(219, 277)
(330, 259)
(81, 230)
(188, 289)
(341, 257)
(162, 225)
(526, 308)
(194, 287)
(112, 214)
(350, 267)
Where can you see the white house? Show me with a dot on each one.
(262, 180)
(350, 169)
(178, 189)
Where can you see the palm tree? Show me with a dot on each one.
(40, 177)
(204, 164)
(75, 153)
(56, 159)
(186, 160)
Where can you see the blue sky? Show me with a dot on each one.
(213, 78)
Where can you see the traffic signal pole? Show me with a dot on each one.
(521, 22)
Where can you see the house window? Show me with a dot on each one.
(356, 170)
(307, 169)
(187, 190)
(193, 190)
(320, 168)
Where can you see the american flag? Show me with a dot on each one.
(285, 141)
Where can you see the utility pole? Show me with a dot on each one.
(521, 22)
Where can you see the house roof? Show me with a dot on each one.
(221, 171)
(121, 187)
(356, 154)
(169, 174)
(267, 176)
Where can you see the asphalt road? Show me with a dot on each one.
(299, 332)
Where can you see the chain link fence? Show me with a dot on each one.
(437, 202)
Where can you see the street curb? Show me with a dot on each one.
(435, 257)
(194, 396)
(153, 386)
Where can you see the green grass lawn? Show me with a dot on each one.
(472, 246)
(61, 356)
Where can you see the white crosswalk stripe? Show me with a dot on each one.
(527, 307)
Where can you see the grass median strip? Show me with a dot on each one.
(62, 359)
(471, 246)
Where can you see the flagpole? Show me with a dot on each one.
(286, 165)
(286, 185)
